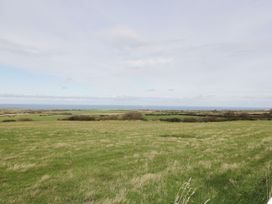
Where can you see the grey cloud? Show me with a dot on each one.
(17, 48)
(146, 63)
(151, 90)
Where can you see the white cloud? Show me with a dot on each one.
(122, 35)
(147, 63)
(114, 48)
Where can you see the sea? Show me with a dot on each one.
(119, 107)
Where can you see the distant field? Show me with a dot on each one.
(53, 161)
(200, 116)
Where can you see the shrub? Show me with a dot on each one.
(65, 113)
(109, 117)
(190, 120)
(133, 116)
(171, 119)
(25, 119)
(245, 116)
(80, 118)
(213, 119)
(8, 120)
(229, 114)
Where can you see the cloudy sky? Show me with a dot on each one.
(156, 52)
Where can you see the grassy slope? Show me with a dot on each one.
(133, 161)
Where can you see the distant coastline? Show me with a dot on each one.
(121, 107)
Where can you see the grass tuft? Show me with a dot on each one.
(185, 193)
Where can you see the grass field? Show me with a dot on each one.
(51, 161)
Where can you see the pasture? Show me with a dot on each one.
(117, 161)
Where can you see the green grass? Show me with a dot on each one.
(134, 161)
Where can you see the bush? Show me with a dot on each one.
(133, 116)
(190, 120)
(214, 119)
(171, 119)
(229, 114)
(8, 120)
(25, 119)
(80, 118)
(245, 116)
(109, 117)
(65, 113)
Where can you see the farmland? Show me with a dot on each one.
(51, 160)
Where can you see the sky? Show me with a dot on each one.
(156, 52)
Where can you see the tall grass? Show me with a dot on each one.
(185, 193)
(269, 183)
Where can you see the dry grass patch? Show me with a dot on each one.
(151, 155)
(230, 167)
(206, 164)
(60, 145)
(145, 179)
(21, 167)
